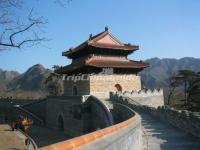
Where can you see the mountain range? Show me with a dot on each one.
(155, 76)
(31, 80)
(29, 84)
(6, 77)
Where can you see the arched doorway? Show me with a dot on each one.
(60, 123)
(118, 87)
(75, 91)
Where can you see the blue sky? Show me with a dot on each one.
(164, 29)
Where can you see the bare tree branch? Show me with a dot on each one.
(15, 30)
(12, 37)
(10, 3)
(23, 42)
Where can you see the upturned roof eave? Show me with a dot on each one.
(127, 48)
(70, 68)
(92, 41)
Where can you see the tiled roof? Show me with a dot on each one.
(103, 40)
(115, 63)
(102, 62)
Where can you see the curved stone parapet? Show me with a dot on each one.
(101, 110)
(124, 135)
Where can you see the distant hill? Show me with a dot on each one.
(31, 80)
(28, 85)
(157, 75)
(6, 77)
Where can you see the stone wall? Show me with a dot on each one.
(120, 112)
(6, 108)
(37, 107)
(64, 107)
(82, 86)
(122, 136)
(102, 84)
(74, 115)
(185, 120)
(96, 115)
(86, 114)
(152, 98)
(127, 138)
(80, 115)
(20, 111)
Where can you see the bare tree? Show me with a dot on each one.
(16, 30)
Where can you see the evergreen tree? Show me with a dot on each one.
(190, 81)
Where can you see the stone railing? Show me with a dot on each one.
(6, 108)
(184, 120)
(152, 98)
(124, 135)
(38, 108)
(21, 111)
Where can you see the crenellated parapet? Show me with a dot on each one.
(184, 120)
(144, 93)
(148, 97)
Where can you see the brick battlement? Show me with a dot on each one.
(184, 120)
(144, 93)
(152, 98)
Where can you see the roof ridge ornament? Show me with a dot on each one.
(90, 37)
(106, 28)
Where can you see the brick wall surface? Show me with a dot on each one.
(83, 87)
(100, 85)
(152, 98)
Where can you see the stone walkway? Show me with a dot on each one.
(161, 136)
(10, 140)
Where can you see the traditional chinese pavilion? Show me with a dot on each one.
(102, 51)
